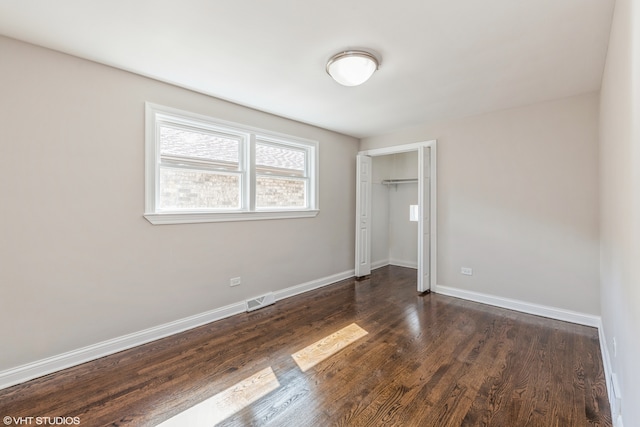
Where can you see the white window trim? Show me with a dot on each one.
(152, 154)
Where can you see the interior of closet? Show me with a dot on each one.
(394, 189)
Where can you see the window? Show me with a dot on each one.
(281, 179)
(199, 169)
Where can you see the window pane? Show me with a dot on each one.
(280, 160)
(220, 149)
(187, 189)
(274, 192)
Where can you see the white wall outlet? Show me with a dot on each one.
(467, 271)
(235, 281)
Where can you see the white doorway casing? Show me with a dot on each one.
(427, 254)
(363, 216)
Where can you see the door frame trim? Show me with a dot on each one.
(433, 197)
(363, 251)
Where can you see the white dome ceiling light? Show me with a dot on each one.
(352, 67)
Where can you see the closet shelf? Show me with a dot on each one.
(399, 181)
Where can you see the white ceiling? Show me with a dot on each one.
(440, 58)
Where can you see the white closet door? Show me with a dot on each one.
(363, 216)
(424, 221)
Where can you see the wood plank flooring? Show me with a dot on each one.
(422, 360)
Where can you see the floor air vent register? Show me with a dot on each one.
(259, 302)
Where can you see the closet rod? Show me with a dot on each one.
(398, 181)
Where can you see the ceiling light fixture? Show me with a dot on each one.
(352, 67)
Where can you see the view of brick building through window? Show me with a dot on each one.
(285, 188)
(202, 170)
(182, 189)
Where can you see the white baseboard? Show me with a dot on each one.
(606, 363)
(66, 360)
(522, 306)
(397, 262)
(403, 263)
(615, 406)
(314, 284)
(379, 264)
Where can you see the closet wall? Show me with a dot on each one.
(394, 238)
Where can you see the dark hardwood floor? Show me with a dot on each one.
(417, 360)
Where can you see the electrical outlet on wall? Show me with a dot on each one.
(467, 271)
(235, 281)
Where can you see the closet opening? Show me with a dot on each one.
(395, 210)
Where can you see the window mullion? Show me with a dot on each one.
(250, 194)
(312, 174)
(157, 159)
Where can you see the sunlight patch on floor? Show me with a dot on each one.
(315, 353)
(227, 402)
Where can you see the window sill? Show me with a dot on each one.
(198, 217)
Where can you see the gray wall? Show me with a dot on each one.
(403, 234)
(394, 238)
(620, 203)
(518, 201)
(79, 263)
(380, 210)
